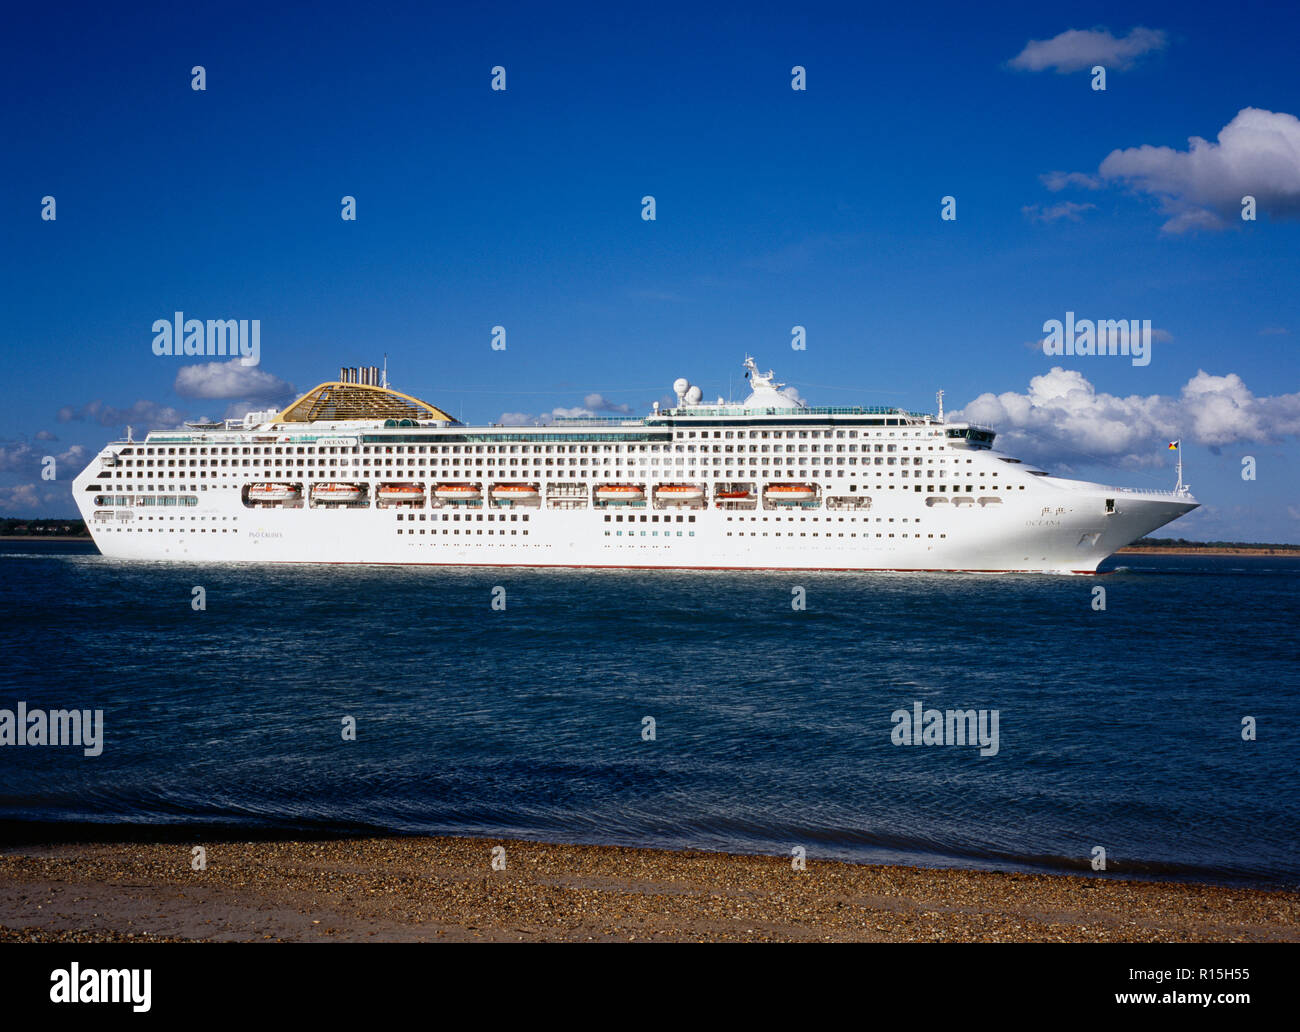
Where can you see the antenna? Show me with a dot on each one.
(384, 383)
(940, 397)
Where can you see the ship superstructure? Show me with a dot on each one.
(356, 472)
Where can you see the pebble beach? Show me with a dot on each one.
(446, 889)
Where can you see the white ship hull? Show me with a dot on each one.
(870, 490)
(1008, 537)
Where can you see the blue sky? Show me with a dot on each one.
(775, 208)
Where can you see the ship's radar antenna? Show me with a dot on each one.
(758, 379)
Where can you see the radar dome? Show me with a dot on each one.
(680, 385)
(693, 396)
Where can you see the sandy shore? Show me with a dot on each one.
(1161, 550)
(45, 537)
(445, 889)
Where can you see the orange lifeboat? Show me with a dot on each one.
(514, 493)
(401, 494)
(620, 494)
(731, 496)
(459, 492)
(791, 494)
(271, 494)
(336, 492)
(679, 494)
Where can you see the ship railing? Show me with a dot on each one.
(1158, 491)
(821, 410)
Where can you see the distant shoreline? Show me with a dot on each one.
(46, 537)
(1207, 550)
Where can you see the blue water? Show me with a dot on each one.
(773, 727)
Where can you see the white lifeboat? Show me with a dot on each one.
(679, 494)
(458, 492)
(404, 494)
(515, 493)
(791, 494)
(274, 492)
(620, 494)
(336, 492)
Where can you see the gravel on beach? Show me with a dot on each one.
(446, 889)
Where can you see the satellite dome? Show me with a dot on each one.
(680, 385)
(693, 396)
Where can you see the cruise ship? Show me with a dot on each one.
(357, 472)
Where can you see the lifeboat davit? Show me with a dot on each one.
(620, 494)
(679, 494)
(274, 492)
(791, 494)
(458, 492)
(515, 493)
(336, 492)
(404, 494)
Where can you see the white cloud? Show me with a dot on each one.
(1257, 154)
(25, 459)
(599, 403)
(145, 414)
(1062, 417)
(231, 380)
(1076, 49)
(1057, 181)
(1222, 410)
(22, 500)
(35, 500)
(593, 405)
(525, 419)
(1070, 210)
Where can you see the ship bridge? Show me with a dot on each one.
(971, 435)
